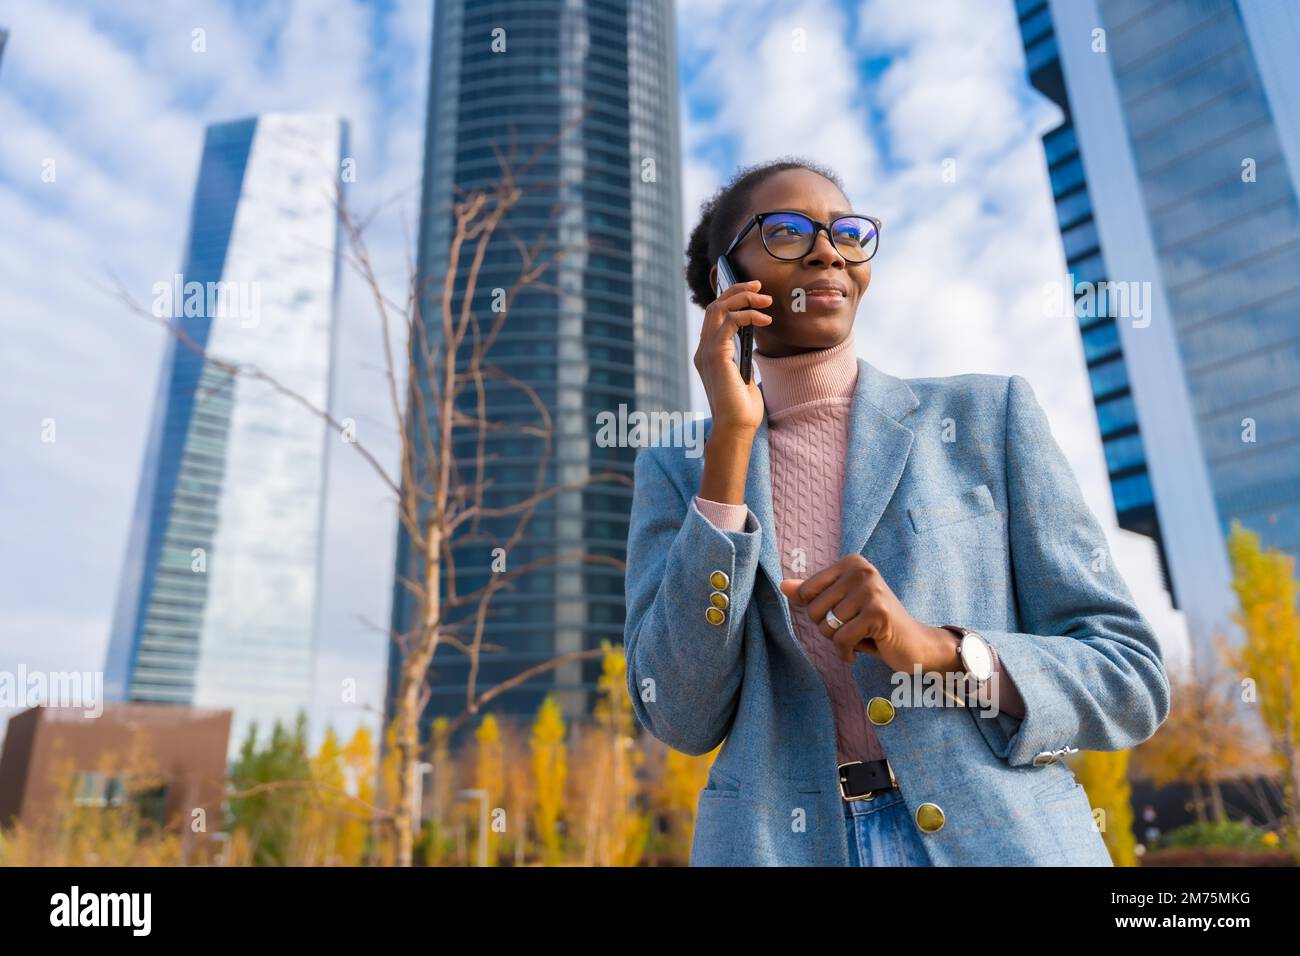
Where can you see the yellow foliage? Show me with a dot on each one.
(550, 766)
(1104, 775)
(489, 776)
(80, 835)
(684, 776)
(1270, 654)
(334, 826)
(610, 827)
(358, 761)
(316, 834)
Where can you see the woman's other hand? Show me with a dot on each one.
(875, 621)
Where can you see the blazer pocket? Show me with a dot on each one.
(1072, 799)
(1059, 784)
(941, 512)
(1068, 792)
(721, 785)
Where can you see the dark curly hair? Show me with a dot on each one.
(721, 215)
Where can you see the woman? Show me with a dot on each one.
(885, 598)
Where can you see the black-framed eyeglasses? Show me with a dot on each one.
(788, 234)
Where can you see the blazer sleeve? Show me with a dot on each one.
(683, 672)
(1087, 666)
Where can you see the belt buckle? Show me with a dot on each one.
(870, 794)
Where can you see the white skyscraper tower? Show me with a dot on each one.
(219, 593)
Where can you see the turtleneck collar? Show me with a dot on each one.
(793, 380)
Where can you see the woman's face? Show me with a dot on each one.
(826, 318)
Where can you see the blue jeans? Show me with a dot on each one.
(882, 833)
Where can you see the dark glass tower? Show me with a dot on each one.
(1176, 166)
(609, 188)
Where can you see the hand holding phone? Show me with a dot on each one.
(726, 279)
(735, 403)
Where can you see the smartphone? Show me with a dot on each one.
(726, 279)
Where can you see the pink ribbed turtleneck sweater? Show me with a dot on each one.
(809, 399)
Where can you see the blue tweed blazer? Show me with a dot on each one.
(958, 493)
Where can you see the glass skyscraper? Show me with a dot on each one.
(218, 599)
(516, 72)
(1175, 174)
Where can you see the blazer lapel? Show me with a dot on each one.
(879, 445)
(878, 448)
(758, 495)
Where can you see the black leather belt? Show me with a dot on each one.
(862, 780)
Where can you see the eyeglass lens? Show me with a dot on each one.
(789, 235)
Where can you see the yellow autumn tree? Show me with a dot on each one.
(1203, 741)
(489, 776)
(358, 764)
(618, 829)
(519, 792)
(1104, 775)
(550, 765)
(240, 850)
(1270, 652)
(678, 795)
(325, 807)
(438, 847)
(109, 832)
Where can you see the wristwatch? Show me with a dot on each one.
(975, 653)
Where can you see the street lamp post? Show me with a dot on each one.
(417, 808)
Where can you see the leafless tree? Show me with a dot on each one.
(438, 504)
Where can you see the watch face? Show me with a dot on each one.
(976, 657)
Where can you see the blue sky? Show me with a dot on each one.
(114, 95)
